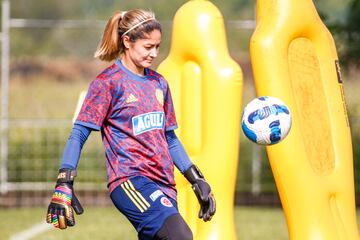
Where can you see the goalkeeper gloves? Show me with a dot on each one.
(60, 211)
(202, 191)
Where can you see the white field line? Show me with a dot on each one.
(32, 232)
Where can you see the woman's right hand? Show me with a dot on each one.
(60, 211)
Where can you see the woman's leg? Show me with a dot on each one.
(147, 208)
(174, 228)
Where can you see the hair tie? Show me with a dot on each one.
(123, 14)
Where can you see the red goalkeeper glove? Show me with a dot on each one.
(203, 193)
(60, 211)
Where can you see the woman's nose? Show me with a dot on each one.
(154, 52)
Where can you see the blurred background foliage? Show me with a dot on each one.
(342, 18)
(347, 33)
(39, 41)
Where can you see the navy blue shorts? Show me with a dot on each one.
(144, 204)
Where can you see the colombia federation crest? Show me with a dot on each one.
(159, 96)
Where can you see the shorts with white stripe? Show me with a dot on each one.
(144, 204)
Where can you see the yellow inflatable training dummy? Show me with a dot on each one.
(294, 58)
(206, 86)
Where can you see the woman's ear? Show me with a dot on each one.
(126, 42)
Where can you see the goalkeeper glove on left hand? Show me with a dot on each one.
(202, 191)
(60, 211)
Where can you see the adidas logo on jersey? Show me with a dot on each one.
(148, 121)
(131, 98)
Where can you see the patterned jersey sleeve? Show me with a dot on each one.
(96, 104)
(170, 119)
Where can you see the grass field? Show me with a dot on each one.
(252, 223)
(106, 223)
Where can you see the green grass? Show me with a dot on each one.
(44, 98)
(107, 223)
(255, 223)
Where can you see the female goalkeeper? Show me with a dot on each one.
(132, 107)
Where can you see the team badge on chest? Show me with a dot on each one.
(159, 96)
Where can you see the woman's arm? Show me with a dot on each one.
(74, 145)
(60, 212)
(193, 174)
(177, 152)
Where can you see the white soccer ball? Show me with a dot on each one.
(266, 120)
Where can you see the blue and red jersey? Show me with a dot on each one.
(133, 113)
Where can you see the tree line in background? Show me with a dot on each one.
(342, 19)
(347, 32)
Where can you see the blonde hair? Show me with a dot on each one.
(134, 23)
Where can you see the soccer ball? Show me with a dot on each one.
(266, 120)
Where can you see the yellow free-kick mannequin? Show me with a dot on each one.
(206, 86)
(294, 58)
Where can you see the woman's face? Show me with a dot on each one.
(143, 51)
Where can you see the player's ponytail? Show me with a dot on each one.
(109, 47)
(134, 23)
